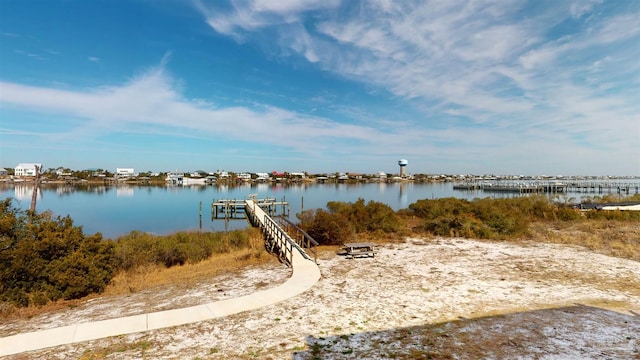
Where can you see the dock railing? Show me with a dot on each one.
(280, 240)
(277, 239)
(300, 236)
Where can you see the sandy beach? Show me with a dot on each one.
(423, 298)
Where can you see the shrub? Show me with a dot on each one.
(613, 215)
(47, 258)
(480, 218)
(327, 228)
(344, 221)
(139, 249)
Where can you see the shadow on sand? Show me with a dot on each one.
(573, 332)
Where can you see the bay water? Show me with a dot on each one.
(115, 210)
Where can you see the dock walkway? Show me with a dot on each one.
(550, 187)
(305, 273)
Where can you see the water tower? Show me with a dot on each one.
(403, 163)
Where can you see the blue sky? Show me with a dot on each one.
(455, 87)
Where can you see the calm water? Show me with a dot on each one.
(117, 210)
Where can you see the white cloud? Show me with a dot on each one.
(484, 58)
(151, 100)
(248, 15)
(579, 8)
(553, 77)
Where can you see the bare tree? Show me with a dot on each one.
(36, 182)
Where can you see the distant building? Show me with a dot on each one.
(26, 169)
(262, 176)
(125, 172)
(244, 176)
(62, 172)
(3, 172)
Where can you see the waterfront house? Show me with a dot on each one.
(262, 177)
(175, 178)
(26, 169)
(125, 172)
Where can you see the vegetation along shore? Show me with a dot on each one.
(51, 264)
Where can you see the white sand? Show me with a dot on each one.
(359, 307)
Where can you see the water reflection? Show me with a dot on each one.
(115, 209)
(25, 192)
(404, 199)
(122, 191)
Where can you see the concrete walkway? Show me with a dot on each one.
(305, 274)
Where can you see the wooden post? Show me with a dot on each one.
(34, 197)
(200, 215)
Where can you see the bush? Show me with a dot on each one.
(47, 258)
(139, 249)
(480, 218)
(613, 215)
(327, 228)
(344, 221)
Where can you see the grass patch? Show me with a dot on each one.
(152, 276)
(613, 238)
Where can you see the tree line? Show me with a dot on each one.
(45, 258)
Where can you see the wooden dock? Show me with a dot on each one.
(277, 240)
(236, 209)
(551, 187)
(520, 188)
(604, 187)
(300, 236)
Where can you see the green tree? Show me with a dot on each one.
(49, 258)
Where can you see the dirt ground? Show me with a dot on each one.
(421, 299)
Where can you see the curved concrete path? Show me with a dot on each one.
(305, 274)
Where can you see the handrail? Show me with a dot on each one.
(282, 238)
(307, 236)
(305, 241)
(273, 231)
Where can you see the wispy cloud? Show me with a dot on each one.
(10, 35)
(246, 15)
(464, 82)
(483, 61)
(151, 100)
(30, 54)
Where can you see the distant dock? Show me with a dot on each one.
(551, 187)
(236, 208)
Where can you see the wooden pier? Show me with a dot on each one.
(277, 240)
(520, 188)
(300, 236)
(236, 209)
(551, 187)
(604, 187)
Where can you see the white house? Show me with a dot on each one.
(60, 172)
(262, 177)
(125, 172)
(26, 169)
(297, 174)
